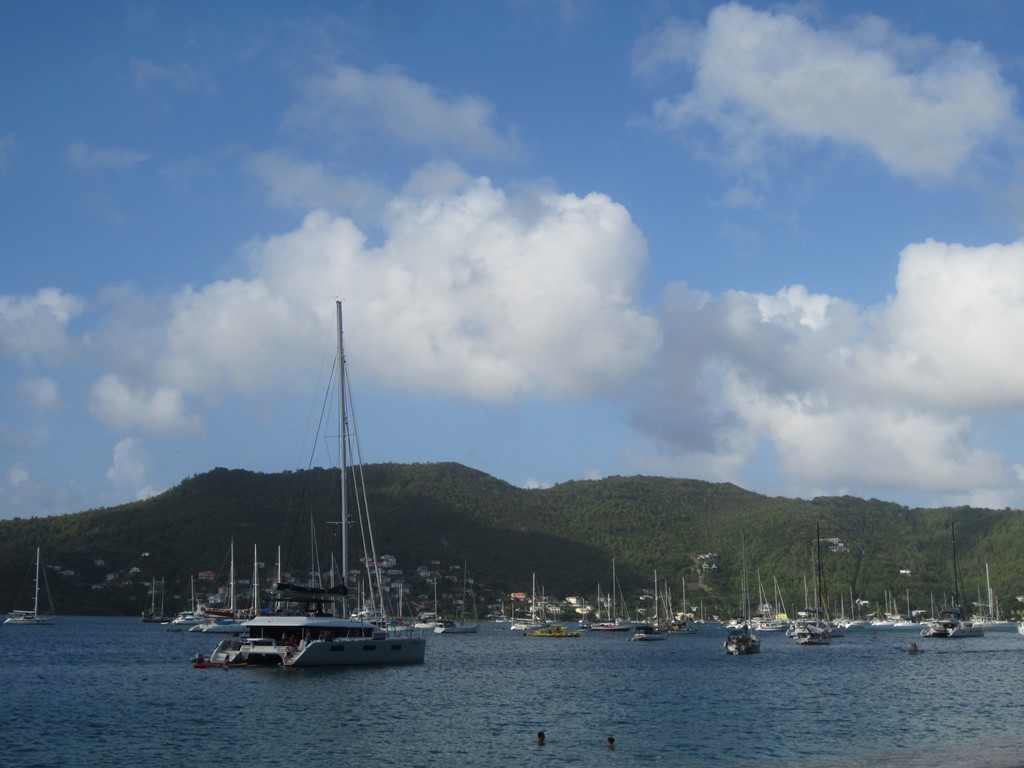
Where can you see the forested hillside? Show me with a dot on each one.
(444, 515)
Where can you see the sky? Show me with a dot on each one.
(777, 245)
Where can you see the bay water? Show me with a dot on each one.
(116, 692)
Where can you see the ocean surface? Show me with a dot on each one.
(115, 692)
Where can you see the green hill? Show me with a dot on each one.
(441, 515)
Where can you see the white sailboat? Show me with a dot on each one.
(615, 623)
(813, 625)
(680, 622)
(429, 620)
(224, 621)
(992, 616)
(655, 628)
(459, 627)
(952, 620)
(740, 639)
(536, 619)
(310, 626)
(772, 616)
(191, 617)
(34, 617)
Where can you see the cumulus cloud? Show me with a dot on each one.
(296, 184)
(479, 294)
(236, 336)
(36, 326)
(921, 108)
(952, 331)
(86, 158)
(472, 292)
(878, 397)
(130, 469)
(41, 392)
(158, 408)
(348, 101)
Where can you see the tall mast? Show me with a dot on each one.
(232, 585)
(342, 437)
(35, 606)
(255, 605)
(958, 585)
(822, 597)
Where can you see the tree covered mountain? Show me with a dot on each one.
(443, 515)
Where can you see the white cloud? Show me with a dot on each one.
(42, 393)
(237, 336)
(86, 158)
(919, 107)
(36, 326)
(26, 494)
(876, 398)
(17, 475)
(952, 332)
(180, 77)
(742, 196)
(867, 444)
(348, 102)
(130, 469)
(293, 183)
(476, 293)
(471, 293)
(158, 408)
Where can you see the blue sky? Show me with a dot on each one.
(775, 245)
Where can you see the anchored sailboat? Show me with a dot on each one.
(953, 621)
(33, 617)
(310, 625)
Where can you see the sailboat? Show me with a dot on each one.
(813, 625)
(615, 623)
(953, 621)
(740, 639)
(429, 620)
(230, 620)
(991, 617)
(460, 627)
(680, 623)
(655, 628)
(153, 616)
(536, 619)
(772, 616)
(191, 617)
(310, 625)
(33, 617)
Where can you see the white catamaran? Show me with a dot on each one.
(310, 626)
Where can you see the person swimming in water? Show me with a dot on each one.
(540, 738)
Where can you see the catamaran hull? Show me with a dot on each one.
(322, 653)
(399, 650)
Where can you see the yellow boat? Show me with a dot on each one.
(555, 630)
